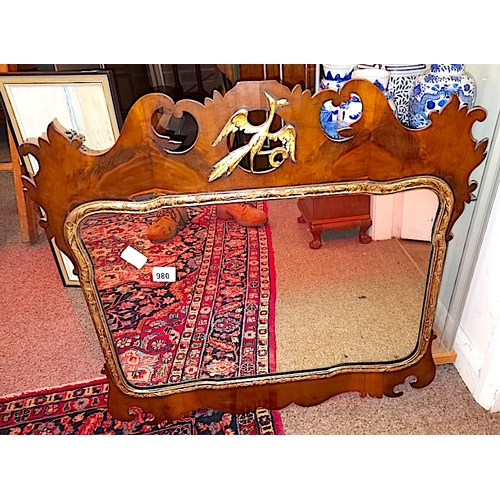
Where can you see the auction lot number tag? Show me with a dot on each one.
(164, 274)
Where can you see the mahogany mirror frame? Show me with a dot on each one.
(378, 156)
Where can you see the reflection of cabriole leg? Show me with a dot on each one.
(364, 226)
(316, 234)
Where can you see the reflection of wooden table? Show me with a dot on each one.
(336, 212)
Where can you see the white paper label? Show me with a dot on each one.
(134, 257)
(164, 274)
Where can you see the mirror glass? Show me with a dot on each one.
(221, 298)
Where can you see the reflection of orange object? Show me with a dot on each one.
(166, 226)
(243, 214)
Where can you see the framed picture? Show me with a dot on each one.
(83, 103)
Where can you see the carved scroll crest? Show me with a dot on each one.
(378, 148)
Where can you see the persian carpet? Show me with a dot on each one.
(215, 321)
(81, 409)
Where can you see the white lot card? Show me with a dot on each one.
(134, 257)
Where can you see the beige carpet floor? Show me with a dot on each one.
(47, 339)
(344, 302)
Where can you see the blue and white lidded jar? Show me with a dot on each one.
(335, 75)
(432, 91)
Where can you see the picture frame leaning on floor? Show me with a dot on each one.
(84, 103)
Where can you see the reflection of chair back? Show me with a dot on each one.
(287, 74)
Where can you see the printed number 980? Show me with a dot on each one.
(164, 274)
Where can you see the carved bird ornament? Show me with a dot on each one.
(260, 134)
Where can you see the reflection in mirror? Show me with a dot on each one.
(347, 302)
(255, 300)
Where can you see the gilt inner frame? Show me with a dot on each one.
(425, 335)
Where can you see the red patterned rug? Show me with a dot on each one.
(82, 409)
(215, 321)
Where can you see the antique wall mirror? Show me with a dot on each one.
(231, 316)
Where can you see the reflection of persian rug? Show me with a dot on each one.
(216, 321)
(81, 409)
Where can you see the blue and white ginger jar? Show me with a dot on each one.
(432, 91)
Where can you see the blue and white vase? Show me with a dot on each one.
(432, 91)
(378, 76)
(335, 75)
(334, 118)
(401, 83)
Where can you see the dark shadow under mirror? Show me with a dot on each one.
(233, 300)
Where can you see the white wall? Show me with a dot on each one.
(382, 209)
(477, 341)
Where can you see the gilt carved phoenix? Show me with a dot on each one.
(260, 134)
